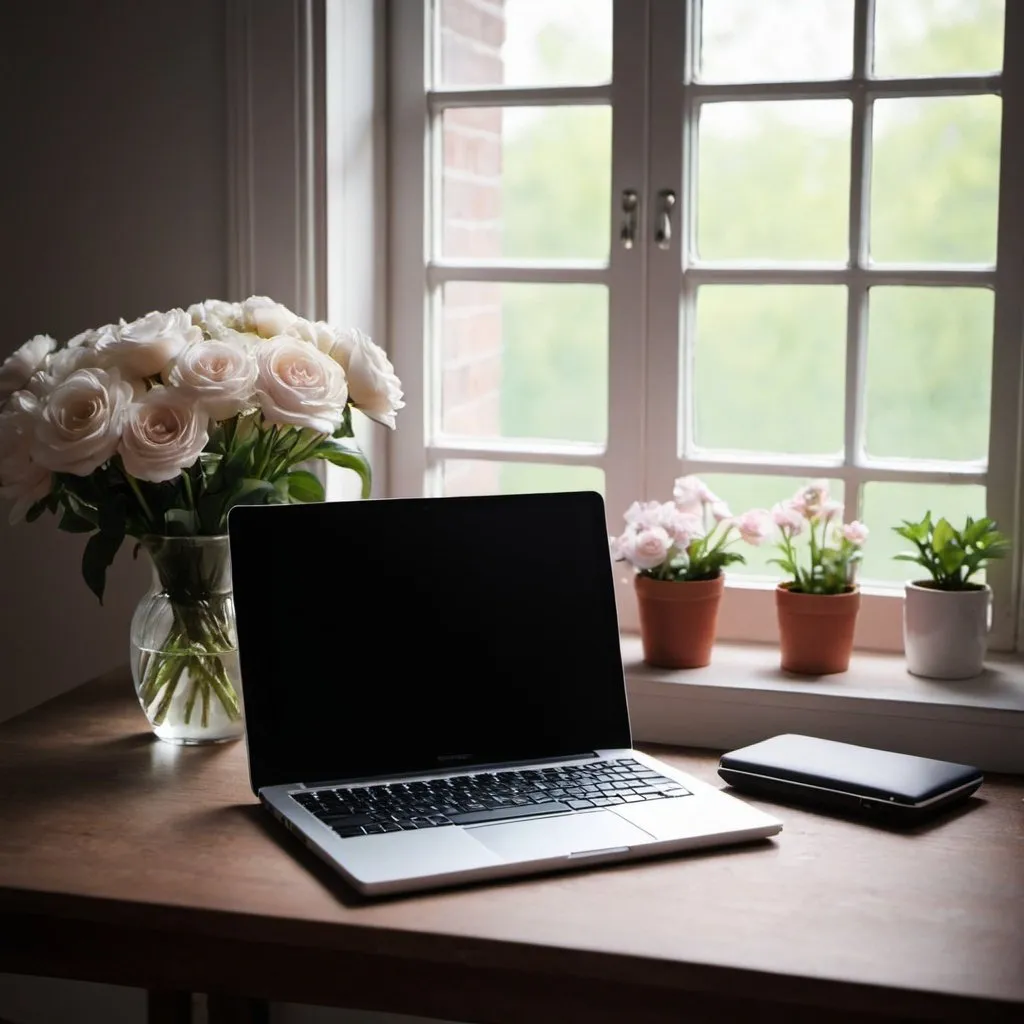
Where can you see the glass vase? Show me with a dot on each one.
(184, 647)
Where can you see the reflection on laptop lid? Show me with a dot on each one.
(404, 635)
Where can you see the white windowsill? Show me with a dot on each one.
(743, 697)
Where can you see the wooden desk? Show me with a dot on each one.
(128, 861)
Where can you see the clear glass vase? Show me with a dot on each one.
(184, 647)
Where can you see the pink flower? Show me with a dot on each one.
(856, 532)
(642, 514)
(621, 547)
(788, 516)
(831, 510)
(808, 501)
(682, 527)
(650, 547)
(755, 526)
(691, 494)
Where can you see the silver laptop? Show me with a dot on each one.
(434, 692)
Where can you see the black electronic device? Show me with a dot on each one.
(846, 778)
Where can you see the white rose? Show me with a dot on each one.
(218, 375)
(91, 337)
(299, 386)
(144, 347)
(372, 383)
(80, 423)
(266, 317)
(215, 315)
(16, 369)
(316, 332)
(22, 479)
(164, 432)
(59, 366)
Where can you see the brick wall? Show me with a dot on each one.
(471, 35)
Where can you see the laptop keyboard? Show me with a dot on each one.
(486, 796)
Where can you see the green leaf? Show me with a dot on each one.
(250, 491)
(905, 556)
(72, 522)
(98, 555)
(303, 486)
(36, 510)
(951, 559)
(346, 453)
(942, 536)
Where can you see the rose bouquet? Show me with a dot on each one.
(155, 429)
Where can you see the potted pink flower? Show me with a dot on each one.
(679, 550)
(817, 607)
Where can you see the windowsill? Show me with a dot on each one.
(743, 697)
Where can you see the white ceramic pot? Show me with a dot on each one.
(945, 631)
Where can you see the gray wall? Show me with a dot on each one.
(112, 203)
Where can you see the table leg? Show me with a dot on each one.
(222, 1009)
(169, 1008)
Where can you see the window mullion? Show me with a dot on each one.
(857, 292)
(671, 152)
(627, 267)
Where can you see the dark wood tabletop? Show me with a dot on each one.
(126, 860)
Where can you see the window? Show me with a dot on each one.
(757, 240)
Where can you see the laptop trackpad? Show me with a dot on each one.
(560, 836)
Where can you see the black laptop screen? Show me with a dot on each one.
(403, 635)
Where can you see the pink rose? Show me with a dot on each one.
(755, 526)
(856, 533)
(788, 516)
(808, 501)
(651, 547)
(642, 514)
(691, 494)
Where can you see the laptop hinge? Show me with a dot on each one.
(462, 769)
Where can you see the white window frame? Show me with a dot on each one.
(645, 283)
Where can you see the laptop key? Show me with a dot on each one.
(504, 813)
(578, 805)
(337, 821)
(348, 833)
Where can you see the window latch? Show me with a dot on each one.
(666, 204)
(630, 205)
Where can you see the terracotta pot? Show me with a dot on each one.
(816, 630)
(945, 632)
(678, 620)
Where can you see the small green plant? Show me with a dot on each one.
(952, 556)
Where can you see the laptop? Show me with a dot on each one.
(434, 692)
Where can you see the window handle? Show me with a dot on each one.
(666, 204)
(630, 206)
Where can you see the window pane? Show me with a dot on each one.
(743, 492)
(769, 368)
(477, 476)
(525, 42)
(887, 505)
(526, 182)
(524, 360)
(935, 179)
(773, 180)
(938, 37)
(929, 372)
(775, 40)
